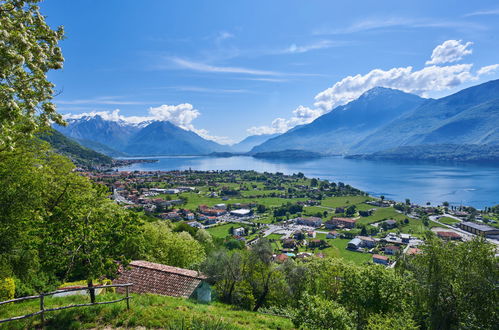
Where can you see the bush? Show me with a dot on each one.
(319, 313)
(7, 288)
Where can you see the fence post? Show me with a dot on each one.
(42, 308)
(127, 298)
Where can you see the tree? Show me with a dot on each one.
(56, 224)
(28, 51)
(160, 244)
(319, 313)
(455, 284)
(350, 211)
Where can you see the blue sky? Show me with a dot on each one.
(228, 69)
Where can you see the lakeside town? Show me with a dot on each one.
(301, 217)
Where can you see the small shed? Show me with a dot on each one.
(149, 277)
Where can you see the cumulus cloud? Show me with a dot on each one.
(450, 51)
(432, 78)
(180, 115)
(488, 69)
(301, 115)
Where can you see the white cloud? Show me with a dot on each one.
(450, 51)
(431, 78)
(483, 13)
(294, 49)
(488, 69)
(223, 35)
(197, 66)
(180, 115)
(301, 115)
(398, 22)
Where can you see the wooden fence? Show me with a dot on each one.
(43, 310)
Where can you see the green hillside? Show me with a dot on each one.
(149, 311)
(80, 155)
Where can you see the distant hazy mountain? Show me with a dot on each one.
(251, 141)
(164, 138)
(470, 116)
(337, 131)
(145, 139)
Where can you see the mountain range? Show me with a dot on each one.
(152, 138)
(381, 119)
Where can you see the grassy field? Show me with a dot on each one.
(382, 213)
(338, 249)
(344, 201)
(448, 221)
(274, 236)
(221, 231)
(194, 200)
(146, 311)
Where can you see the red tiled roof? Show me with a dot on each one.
(149, 277)
(379, 257)
(447, 234)
(344, 220)
(413, 251)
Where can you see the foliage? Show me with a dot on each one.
(55, 223)
(78, 154)
(391, 322)
(28, 50)
(7, 288)
(455, 284)
(158, 243)
(319, 313)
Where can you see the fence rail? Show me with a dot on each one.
(42, 296)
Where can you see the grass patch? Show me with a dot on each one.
(448, 220)
(344, 201)
(149, 311)
(221, 231)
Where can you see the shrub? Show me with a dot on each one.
(7, 288)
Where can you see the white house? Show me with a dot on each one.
(239, 231)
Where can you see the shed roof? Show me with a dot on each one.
(149, 277)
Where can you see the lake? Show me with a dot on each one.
(459, 184)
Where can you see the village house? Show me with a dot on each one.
(414, 251)
(367, 241)
(340, 223)
(354, 244)
(309, 221)
(448, 235)
(195, 224)
(280, 258)
(392, 249)
(390, 223)
(332, 234)
(379, 259)
(149, 277)
(241, 212)
(311, 233)
(288, 243)
(315, 243)
(239, 231)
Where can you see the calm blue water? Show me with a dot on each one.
(467, 184)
